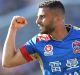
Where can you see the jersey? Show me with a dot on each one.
(58, 57)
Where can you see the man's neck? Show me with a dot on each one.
(59, 34)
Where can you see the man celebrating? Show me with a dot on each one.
(56, 47)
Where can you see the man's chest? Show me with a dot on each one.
(58, 48)
(57, 56)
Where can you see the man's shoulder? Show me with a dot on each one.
(33, 39)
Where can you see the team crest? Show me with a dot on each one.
(48, 50)
(76, 46)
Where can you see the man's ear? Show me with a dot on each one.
(57, 18)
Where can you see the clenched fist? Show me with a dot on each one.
(18, 22)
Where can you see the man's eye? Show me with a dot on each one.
(42, 16)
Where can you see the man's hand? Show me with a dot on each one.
(18, 22)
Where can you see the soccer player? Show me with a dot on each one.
(56, 47)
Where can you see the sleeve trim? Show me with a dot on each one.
(26, 54)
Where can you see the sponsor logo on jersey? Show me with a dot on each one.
(44, 37)
(76, 46)
(48, 50)
(72, 66)
(72, 63)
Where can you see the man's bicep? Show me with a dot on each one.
(17, 59)
(24, 53)
(21, 58)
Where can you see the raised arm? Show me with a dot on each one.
(12, 57)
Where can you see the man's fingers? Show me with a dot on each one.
(21, 20)
(18, 22)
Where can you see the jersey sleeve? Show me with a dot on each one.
(28, 48)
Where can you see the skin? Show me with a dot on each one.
(45, 21)
(49, 21)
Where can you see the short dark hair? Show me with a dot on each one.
(52, 4)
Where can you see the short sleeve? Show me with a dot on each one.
(28, 48)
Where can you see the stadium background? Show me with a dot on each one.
(28, 9)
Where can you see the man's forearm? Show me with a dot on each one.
(9, 46)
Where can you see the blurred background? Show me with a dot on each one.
(28, 9)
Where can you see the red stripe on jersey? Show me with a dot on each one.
(26, 54)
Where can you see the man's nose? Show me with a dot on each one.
(38, 21)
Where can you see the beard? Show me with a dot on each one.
(46, 29)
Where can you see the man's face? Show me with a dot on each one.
(45, 20)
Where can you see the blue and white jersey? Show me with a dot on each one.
(57, 57)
